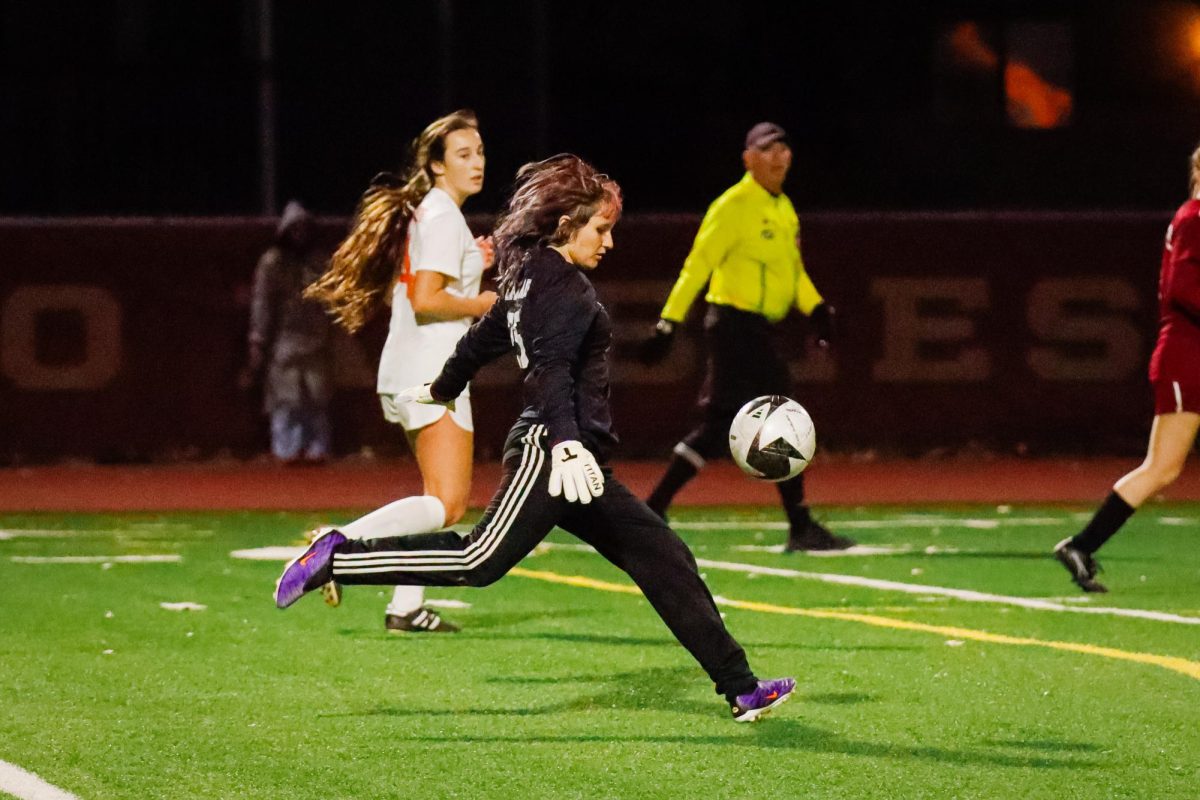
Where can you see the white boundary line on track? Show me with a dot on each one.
(24, 785)
(966, 595)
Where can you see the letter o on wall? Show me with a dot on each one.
(101, 316)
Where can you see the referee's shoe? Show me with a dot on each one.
(812, 535)
(1080, 564)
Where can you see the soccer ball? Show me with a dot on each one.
(772, 438)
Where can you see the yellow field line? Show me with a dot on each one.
(1173, 663)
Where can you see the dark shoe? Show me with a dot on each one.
(308, 570)
(767, 695)
(815, 536)
(423, 620)
(1080, 564)
(331, 591)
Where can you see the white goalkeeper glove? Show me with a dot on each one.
(574, 473)
(420, 394)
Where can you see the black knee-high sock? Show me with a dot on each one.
(791, 494)
(1107, 520)
(681, 470)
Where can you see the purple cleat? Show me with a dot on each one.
(309, 570)
(767, 695)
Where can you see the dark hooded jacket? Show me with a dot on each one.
(290, 337)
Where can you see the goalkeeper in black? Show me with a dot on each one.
(558, 224)
(747, 251)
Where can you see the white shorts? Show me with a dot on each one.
(414, 416)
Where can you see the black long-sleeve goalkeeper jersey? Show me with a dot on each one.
(561, 334)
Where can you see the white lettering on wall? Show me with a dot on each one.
(100, 314)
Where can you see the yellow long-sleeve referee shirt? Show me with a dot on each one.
(747, 251)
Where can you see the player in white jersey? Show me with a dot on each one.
(411, 247)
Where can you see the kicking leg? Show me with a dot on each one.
(626, 532)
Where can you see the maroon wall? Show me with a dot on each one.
(121, 339)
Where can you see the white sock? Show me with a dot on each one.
(406, 599)
(420, 514)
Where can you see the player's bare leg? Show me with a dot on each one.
(1171, 439)
(444, 454)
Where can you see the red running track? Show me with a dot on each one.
(365, 485)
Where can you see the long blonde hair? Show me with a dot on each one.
(363, 267)
(1195, 184)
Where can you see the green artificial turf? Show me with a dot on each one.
(564, 691)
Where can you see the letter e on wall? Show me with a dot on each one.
(911, 328)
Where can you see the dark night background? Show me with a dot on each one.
(147, 108)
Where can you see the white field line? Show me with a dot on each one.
(856, 550)
(186, 605)
(965, 595)
(929, 522)
(152, 559)
(275, 553)
(878, 524)
(446, 603)
(24, 785)
(137, 531)
(55, 533)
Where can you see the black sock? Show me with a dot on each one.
(791, 494)
(678, 474)
(1107, 520)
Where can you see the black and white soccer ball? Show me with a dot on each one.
(772, 438)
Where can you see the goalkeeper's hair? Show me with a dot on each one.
(363, 267)
(545, 192)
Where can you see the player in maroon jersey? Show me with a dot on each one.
(1175, 376)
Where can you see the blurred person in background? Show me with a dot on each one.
(747, 251)
(289, 342)
(556, 229)
(411, 248)
(1175, 379)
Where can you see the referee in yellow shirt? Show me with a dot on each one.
(747, 251)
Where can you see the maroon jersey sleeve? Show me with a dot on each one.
(1182, 288)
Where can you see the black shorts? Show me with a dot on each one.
(743, 361)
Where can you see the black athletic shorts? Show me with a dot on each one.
(744, 361)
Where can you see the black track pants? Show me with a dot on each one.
(521, 514)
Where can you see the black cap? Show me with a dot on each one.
(763, 134)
